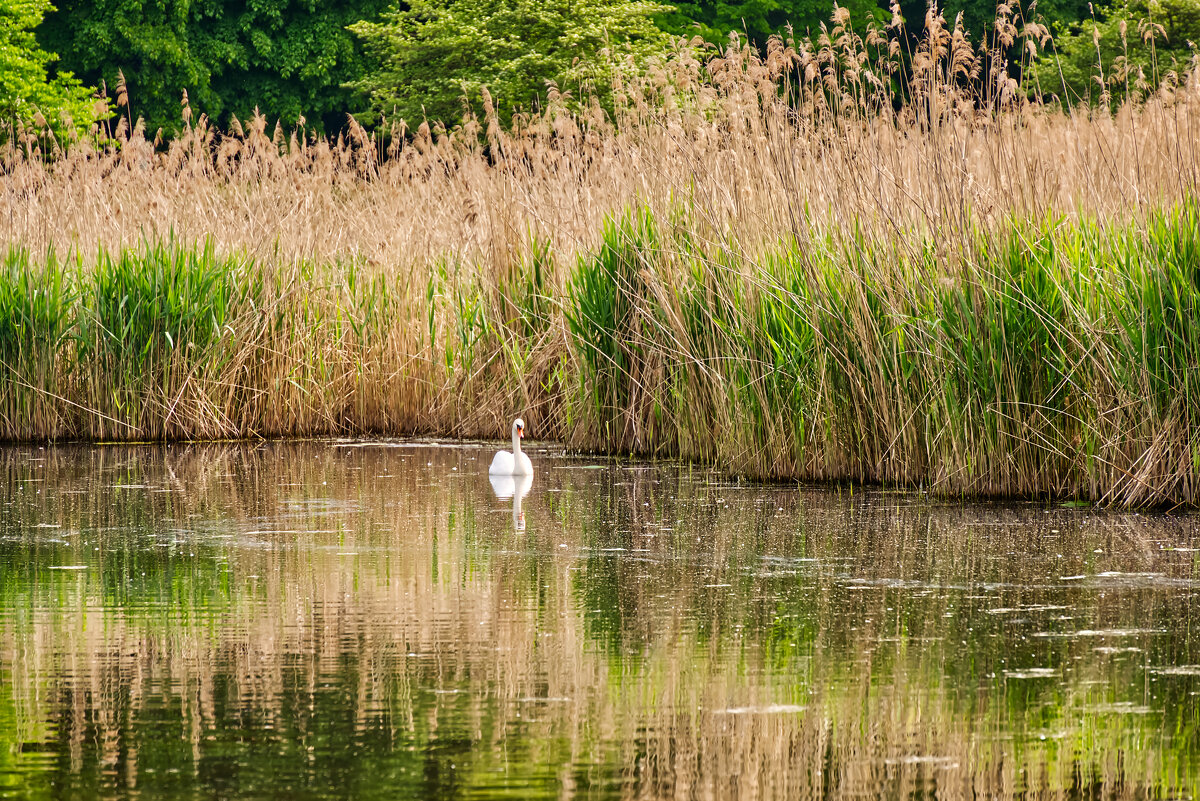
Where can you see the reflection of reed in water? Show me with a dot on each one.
(515, 487)
(278, 608)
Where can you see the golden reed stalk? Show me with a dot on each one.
(428, 281)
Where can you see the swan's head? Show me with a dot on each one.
(519, 428)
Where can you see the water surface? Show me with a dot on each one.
(317, 620)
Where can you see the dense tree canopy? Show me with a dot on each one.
(320, 59)
(27, 92)
(288, 57)
(1133, 46)
(437, 52)
(759, 19)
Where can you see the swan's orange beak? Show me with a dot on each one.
(521, 433)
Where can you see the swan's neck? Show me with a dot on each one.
(516, 443)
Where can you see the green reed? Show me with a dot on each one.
(36, 322)
(156, 318)
(1058, 358)
(606, 315)
(1054, 358)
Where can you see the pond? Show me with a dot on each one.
(351, 619)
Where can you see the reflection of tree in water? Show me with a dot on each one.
(269, 619)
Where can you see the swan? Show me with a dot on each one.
(515, 463)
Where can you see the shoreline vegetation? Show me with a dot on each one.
(836, 261)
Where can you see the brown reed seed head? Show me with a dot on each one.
(753, 142)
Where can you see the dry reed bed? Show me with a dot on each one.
(763, 147)
(782, 264)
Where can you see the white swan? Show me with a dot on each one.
(515, 463)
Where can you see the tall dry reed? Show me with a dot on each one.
(845, 258)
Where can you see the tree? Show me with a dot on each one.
(759, 19)
(1123, 50)
(26, 90)
(289, 58)
(436, 52)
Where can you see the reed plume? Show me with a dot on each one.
(838, 258)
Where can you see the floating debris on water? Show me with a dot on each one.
(1031, 673)
(770, 709)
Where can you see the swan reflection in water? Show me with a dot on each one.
(515, 487)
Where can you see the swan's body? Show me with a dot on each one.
(514, 463)
(508, 464)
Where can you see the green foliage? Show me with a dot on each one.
(35, 311)
(602, 314)
(525, 294)
(147, 305)
(1157, 309)
(784, 342)
(26, 90)
(37, 321)
(436, 52)
(288, 58)
(979, 16)
(759, 19)
(1123, 51)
